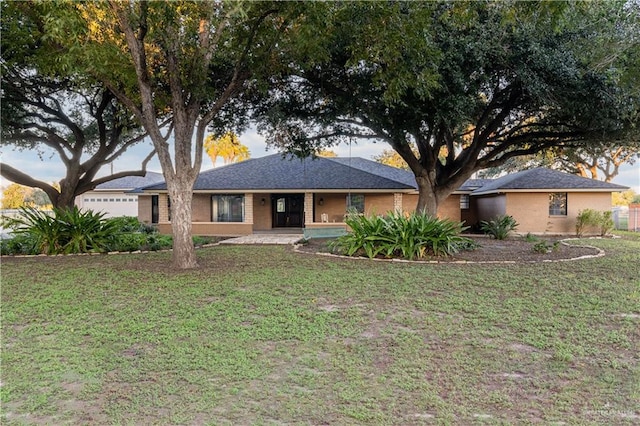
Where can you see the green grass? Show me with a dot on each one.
(262, 335)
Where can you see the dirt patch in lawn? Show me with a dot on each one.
(517, 250)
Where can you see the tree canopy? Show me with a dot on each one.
(471, 84)
(185, 60)
(600, 162)
(75, 117)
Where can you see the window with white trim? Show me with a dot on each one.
(464, 202)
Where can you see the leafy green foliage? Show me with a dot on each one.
(590, 218)
(499, 227)
(64, 231)
(397, 235)
(544, 247)
(471, 84)
(69, 231)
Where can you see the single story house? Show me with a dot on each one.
(114, 198)
(282, 193)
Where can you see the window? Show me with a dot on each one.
(355, 202)
(464, 202)
(558, 204)
(155, 211)
(227, 208)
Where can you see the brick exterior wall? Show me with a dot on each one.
(308, 208)
(531, 211)
(397, 202)
(144, 208)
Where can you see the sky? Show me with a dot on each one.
(51, 169)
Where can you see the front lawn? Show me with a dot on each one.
(263, 335)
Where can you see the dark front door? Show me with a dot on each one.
(288, 210)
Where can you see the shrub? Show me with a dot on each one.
(499, 227)
(606, 223)
(587, 218)
(396, 235)
(543, 247)
(18, 244)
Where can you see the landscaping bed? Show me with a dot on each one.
(513, 249)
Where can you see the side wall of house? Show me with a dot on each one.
(201, 208)
(531, 211)
(262, 212)
(378, 204)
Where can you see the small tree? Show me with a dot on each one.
(228, 147)
(13, 197)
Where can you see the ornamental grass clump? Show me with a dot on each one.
(413, 236)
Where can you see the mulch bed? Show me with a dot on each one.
(513, 249)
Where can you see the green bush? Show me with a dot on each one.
(18, 244)
(543, 247)
(131, 224)
(589, 218)
(606, 223)
(66, 231)
(397, 235)
(499, 227)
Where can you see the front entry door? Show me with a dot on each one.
(288, 210)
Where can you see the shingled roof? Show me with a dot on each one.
(541, 179)
(132, 182)
(278, 172)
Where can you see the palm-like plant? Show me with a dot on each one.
(499, 227)
(398, 235)
(63, 231)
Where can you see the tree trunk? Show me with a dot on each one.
(427, 199)
(181, 194)
(65, 201)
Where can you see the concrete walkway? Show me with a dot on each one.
(282, 239)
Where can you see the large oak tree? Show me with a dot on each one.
(77, 119)
(470, 84)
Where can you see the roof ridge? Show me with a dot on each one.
(366, 171)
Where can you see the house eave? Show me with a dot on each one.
(289, 191)
(545, 190)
